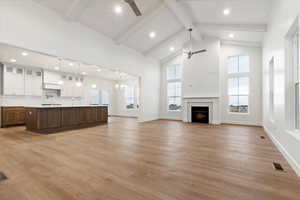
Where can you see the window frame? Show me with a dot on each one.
(131, 97)
(175, 80)
(271, 88)
(239, 75)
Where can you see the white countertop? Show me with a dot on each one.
(58, 106)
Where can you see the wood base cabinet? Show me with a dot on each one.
(12, 116)
(49, 120)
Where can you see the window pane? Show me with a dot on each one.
(174, 103)
(233, 104)
(244, 63)
(174, 89)
(243, 86)
(174, 72)
(233, 86)
(243, 104)
(233, 64)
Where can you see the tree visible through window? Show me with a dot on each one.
(129, 97)
(174, 87)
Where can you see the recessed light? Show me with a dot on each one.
(94, 86)
(56, 68)
(226, 11)
(78, 84)
(60, 82)
(231, 35)
(118, 9)
(152, 34)
(172, 48)
(83, 73)
(24, 53)
(99, 70)
(13, 60)
(71, 64)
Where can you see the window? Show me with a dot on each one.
(174, 87)
(104, 97)
(238, 91)
(129, 97)
(238, 64)
(295, 48)
(271, 88)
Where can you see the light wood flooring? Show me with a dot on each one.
(159, 160)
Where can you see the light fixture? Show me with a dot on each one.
(99, 70)
(24, 53)
(231, 35)
(71, 64)
(56, 68)
(117, 86)
(83, 73)
(13, 60)
(94, 86)
(172, 48)
(152, 34)
(226, 11)
(78, 84)
(60, 82)
(118, 9)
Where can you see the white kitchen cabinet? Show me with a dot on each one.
(33, 82)
(13, 80)
(69, 88)
(51, 77)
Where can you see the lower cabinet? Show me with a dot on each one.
(57, 119)
(12, 116)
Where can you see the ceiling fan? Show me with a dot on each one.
(134, 7)
(191, 52)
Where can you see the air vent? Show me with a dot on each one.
(278, 167)
(2, 176)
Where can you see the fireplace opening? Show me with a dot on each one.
(200, 114)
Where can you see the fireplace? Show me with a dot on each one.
(200, 114)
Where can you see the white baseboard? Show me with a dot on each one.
(242, 123)
(293, 163)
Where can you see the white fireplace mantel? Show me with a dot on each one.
(212, 102)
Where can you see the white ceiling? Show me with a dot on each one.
(38, 60)
(247, 20)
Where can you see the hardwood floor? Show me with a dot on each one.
(159, 160)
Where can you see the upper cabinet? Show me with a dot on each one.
(20, 81)
(33, 82)
(13, 80)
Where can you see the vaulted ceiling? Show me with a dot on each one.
(169, 19)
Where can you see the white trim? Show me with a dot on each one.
(293, 163)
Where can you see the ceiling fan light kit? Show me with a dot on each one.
(191, 52)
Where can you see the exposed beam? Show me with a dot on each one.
(165, 42)
(234, 27)
(241, 43)
(76, 9)
(146, 17)
(180, 11)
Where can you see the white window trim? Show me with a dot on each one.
(239, 75)
(172, 81)
(291, 76)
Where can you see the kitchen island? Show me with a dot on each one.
(51, 119)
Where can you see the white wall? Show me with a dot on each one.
(255, 99)
(283, 15)
(201, 74)
(26, 24)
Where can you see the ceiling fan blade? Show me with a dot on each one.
(200, 51)
(134, 7)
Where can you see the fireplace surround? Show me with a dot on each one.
(212, 103)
